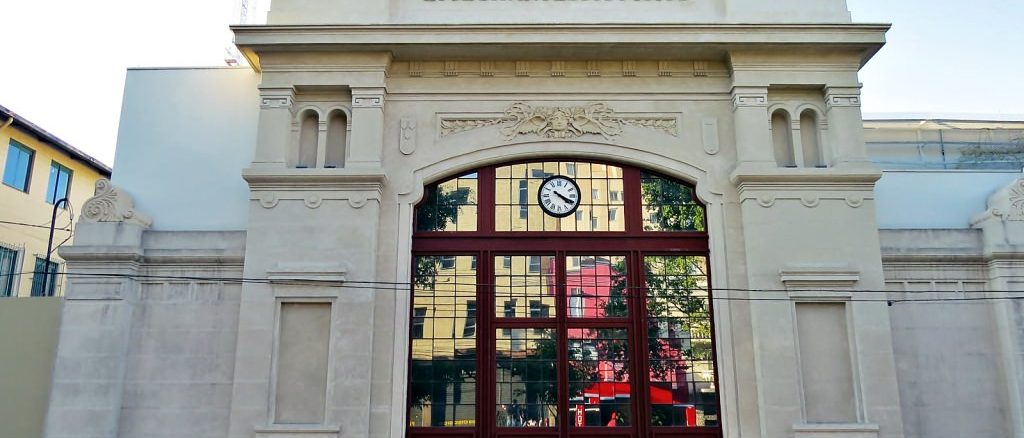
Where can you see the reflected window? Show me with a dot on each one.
(680, 354)
(449, 206)
(526, 378)
(597, 286)
(443, 363)
(528, 280)
(516, 207)
(599, 378)
(669, 206)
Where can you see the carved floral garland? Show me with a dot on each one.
(559, 122)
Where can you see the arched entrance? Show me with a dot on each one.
(587, 318)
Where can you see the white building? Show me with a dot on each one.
(549, 219)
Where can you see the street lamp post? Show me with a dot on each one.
(49, 245)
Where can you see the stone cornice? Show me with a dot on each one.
(805, 177)
(340, 179)
(441, 41)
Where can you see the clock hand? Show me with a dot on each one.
(562, 196)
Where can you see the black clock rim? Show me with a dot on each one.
(571, 210)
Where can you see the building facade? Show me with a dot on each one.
(39, 170)
(480, 219)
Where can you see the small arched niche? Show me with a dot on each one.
(782, 139)
(810, 139)
(337, 139)
(309, 133)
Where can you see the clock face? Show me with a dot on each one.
(559, 196)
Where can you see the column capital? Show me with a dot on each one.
(368, 97)
(842, 97)
(278, 97)
(749, 97)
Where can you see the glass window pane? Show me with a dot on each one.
(526, 378)
(443, 332)
(60, 182)
(8, 269)
(596, 286)
(516, 189)
(669, 206)
(48, 272)
(600, 388)
(524, 286)
(450, 205)
(18, 166)
(680, 357)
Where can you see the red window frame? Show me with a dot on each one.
(486, 244)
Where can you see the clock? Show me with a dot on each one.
(559, 196)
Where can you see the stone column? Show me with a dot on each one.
(96, 322)
(753, 127)
(1002, 228)
(367, 127)
(276, 117)
(846, 127)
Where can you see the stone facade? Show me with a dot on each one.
(199, 332)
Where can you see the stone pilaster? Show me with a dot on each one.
(96, 322)
(1002, 226)
(846, 127)
(753, 129)
(276, 117)
(367, 127)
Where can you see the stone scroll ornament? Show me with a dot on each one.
(111, 204)
(559, 122)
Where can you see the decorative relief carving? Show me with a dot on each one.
(593, 69)
(854, 201)
(313, 201)
(522, 68)
(700, 69)
(842, 100)
(559, 122)
(275, 102)
(709, 133)
(407, 136)
(110, 204)
(1017, 196)
(766, 200)
(451, 69)
(415, 69)
(455, 126)
(368, 101)
(268, 200)
(487, 69)
(357, 202)
(749, 100)
(810, 200)
(629, 68)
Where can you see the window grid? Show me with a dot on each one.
(450, 205)
(517, 209)
(8, 269)
(669, 206)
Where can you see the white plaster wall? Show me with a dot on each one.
(923, 199)
(185, 136)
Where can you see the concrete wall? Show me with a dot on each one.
(28, 343)
(185, 136)
(923, 199)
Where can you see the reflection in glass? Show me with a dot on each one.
(669, 206)
(443, 375)
(599, 381)
(601, 191)
(680, 357)
(526, 389)
(524, 286)
(449, 206)
(596, 286)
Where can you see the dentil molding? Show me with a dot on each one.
(561, 122)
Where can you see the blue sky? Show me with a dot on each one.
(63, 61)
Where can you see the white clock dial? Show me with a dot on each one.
(559, 196)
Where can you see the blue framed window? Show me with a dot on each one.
(8, 269)
(50, 289)
(60, 184)
(18, 168)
